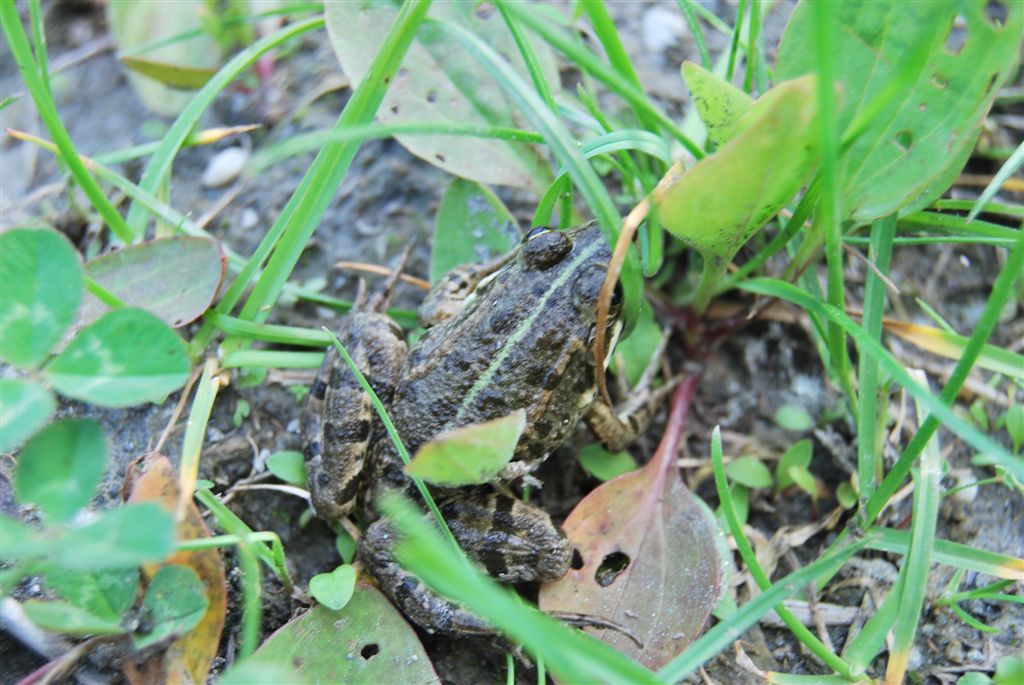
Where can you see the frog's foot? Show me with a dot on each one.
(619, 426)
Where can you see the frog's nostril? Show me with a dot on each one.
(611, 566)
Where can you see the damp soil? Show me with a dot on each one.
(388, 201)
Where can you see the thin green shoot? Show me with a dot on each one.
(1002, 176)
(734, 41)
(686, 7)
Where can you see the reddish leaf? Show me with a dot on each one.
(155, 480)
(174, 278)
(650, 562)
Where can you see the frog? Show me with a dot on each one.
(514, 333)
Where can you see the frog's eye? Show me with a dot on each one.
(545, 249)
(534, 232)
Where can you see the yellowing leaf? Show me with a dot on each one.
(469, 455)
(728, 196)
(951, 346)
(721, 105)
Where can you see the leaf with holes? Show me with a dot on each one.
(126, 357)
(473, 225)
(646, 557)
(366, 642)
(174, 278)
(440, 82)
(937, 68)
(42, 281)
(469, 455)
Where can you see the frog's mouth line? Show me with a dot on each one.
(520, 332)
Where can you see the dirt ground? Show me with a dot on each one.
(389, 199)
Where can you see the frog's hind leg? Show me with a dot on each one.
(617, 427)
(512, 541)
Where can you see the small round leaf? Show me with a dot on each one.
(126, 357)
(42, 288)
(60, 468)
(334, 589)
(749, 471)
(471, 454)
(288, 466)
(175, 601)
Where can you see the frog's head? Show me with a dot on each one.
(560, 272)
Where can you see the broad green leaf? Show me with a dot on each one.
(40, 290)
(916, 97)
(472, 226)
(25, 407)
(367, 642)
(799, 454)
(59, 616)
(469, 455)
(749, 471)
(126, 357)
(22, 542)
(720, 104)
(60, 468)
(334, 589)
(288, 466)
(137, 25)
(172, 75)
(174, 278)
(174, 602)
(440, 81)
(129, 535)
(105, 594)
(719, 204)
(605, 465)
(255, 672)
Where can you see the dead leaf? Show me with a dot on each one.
(188, 658)
(647, 559)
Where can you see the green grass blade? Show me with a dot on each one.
(1005, 172)
(159, 166)
(271, 359)
(590, 63)
(952, 554)
(1002, 289)
(959, 225)
(939, 406)
(868, 453)
(540, 82)
(685, 6)
(799, 630)
(918, 560)
(734, 41)
(296, 223)
(18, 42)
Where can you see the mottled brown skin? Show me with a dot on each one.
(521, 338)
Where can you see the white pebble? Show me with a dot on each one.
(249, 219)
(225, 167)
(661, 28)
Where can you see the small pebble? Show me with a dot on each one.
(249, 219)
(225, 167)
(661, 28)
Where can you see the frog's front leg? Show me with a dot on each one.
(338, 420)
(510, 540)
